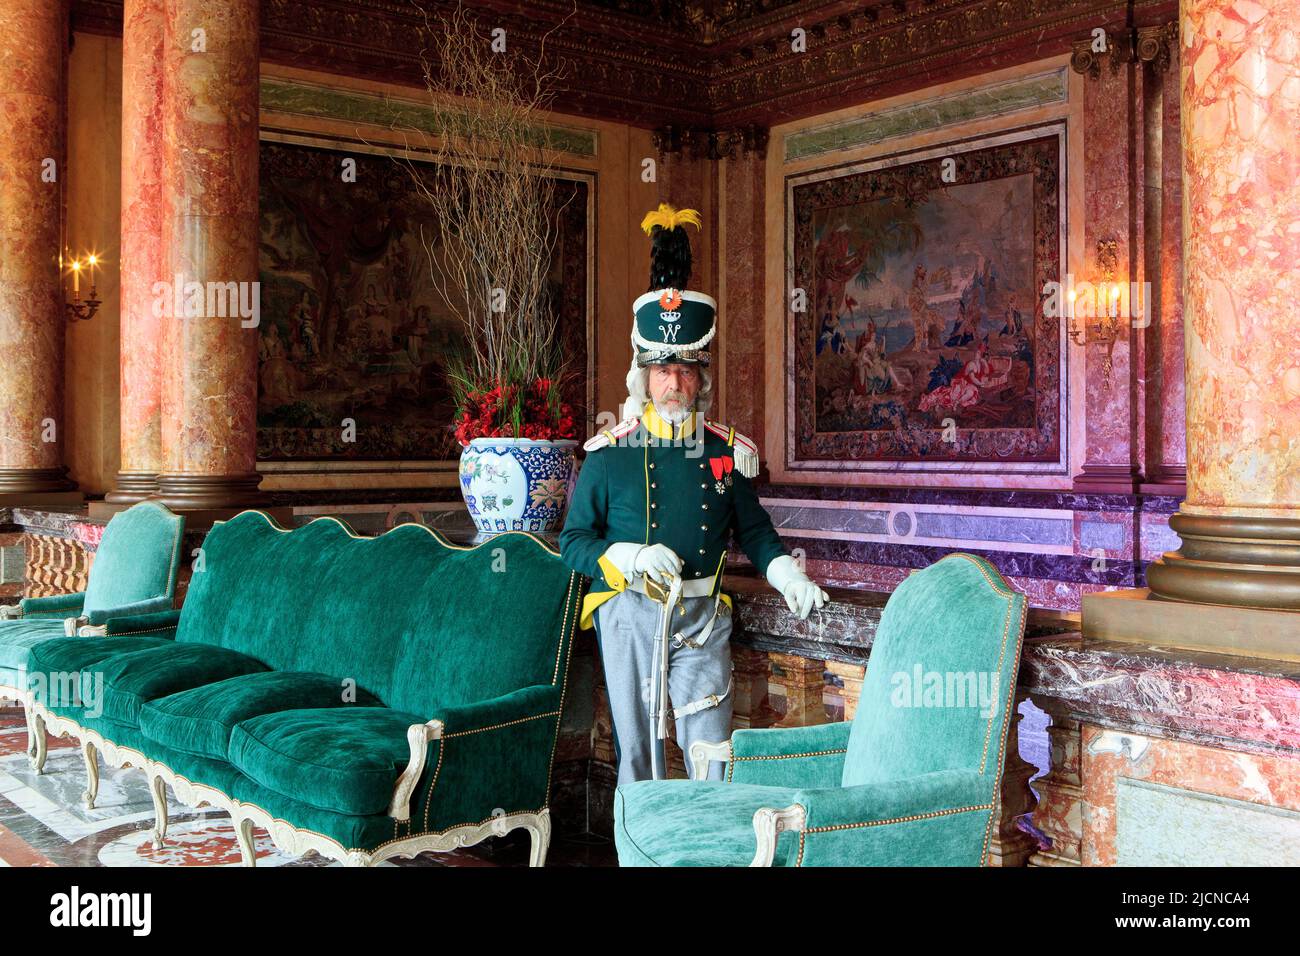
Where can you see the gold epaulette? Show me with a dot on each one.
(609, 436)
(743, 449)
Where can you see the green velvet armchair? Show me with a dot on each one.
(911, 781)
(131, 589)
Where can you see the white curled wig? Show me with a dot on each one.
(638, 389)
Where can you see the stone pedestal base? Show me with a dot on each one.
(205, 499)
(131, 487)
(1231, 559)
(1141, 616)
(37, 486)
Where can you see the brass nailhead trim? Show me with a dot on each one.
(809, 753)
(731, 764)
(508, 723)
(152, 630)
(564, 690)
(880, 823)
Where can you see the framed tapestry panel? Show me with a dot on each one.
(923, 345)
(352, 326)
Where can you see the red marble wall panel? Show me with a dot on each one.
(1110, 105)
(746, 289)
(1268, 781)
(1171, 453)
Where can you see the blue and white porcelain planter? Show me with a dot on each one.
(517, 484)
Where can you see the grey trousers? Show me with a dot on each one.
(625, 628)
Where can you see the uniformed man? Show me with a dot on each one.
(660, 495)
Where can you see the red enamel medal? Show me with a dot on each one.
(721, 466)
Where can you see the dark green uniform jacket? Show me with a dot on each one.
(643, 482)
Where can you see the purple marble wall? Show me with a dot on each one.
(1054, 546)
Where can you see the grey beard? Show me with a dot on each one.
(676, 418)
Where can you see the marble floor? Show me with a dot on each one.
(43, 822)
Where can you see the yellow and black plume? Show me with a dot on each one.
(670, 250)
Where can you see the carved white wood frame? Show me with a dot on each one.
(702, 752)
(10, 612)
(769, 823)
(419, 737)
(286, 837)
(23, 697)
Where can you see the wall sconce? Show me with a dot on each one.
(1103, 317)
(79, 308)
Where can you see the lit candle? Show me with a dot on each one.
(76, 277)
(94, 261)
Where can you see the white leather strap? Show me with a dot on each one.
(704, 703)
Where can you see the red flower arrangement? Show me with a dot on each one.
(533, 411)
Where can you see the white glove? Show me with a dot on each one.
(656, 560)
(800, 593)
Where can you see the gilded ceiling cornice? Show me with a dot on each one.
(696, 64)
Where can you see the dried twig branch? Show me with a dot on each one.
(492, 192)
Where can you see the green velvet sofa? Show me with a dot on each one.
(130, 591)
(362, 697)
(911, 781)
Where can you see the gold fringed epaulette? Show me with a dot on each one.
(743, 450)
(610, 436)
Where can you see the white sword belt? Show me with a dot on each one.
(695, 587)
(691, 587)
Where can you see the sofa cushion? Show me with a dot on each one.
(199, 721)
(17, 638)
(56, 663)
(345, 759)
(694, 823)
(131, 680)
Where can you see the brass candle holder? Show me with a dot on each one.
(79, 308)
(1103, 328)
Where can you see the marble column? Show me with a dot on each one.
(33, 46)
(1240, 523)
(209, 197)
(143, 259)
